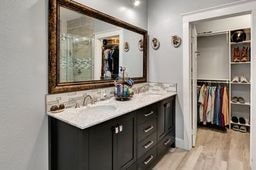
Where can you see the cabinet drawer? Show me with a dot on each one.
(146, 114)
(146, 144)
(165, 144)
(146, 129)
(148, 160)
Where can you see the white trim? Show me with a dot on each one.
(179, 143)
(253, 91)
(186, 109)
(215, 7)
(240, 8)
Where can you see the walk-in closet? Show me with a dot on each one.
(221, 78)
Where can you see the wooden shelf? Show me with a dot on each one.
(241, 104)
(243, 42)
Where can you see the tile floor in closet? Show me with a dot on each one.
(214, 151)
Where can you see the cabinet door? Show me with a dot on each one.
(124, 143)
(68, 146)
(161, 120)
(101, 146)
(169, 109)
(166, 117)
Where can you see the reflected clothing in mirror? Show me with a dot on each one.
(111, 63)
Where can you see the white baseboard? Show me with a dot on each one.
(180, 143)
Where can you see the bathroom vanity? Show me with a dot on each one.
(109, 135)
(135, 135)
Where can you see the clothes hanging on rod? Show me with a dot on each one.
(213, 104)
(111, 60)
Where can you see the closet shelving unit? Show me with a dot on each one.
(240, 89)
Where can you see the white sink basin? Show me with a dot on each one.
(152, 94)
(99, 109)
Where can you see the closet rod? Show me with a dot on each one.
(213, 81)
(210, 33)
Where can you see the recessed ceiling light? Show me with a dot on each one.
(136, 2)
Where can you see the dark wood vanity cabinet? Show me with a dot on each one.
(135, 141)
(111, 144)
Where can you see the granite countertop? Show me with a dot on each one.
(84, 117)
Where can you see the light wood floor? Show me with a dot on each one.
(214, 151)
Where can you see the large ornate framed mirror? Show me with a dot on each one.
(87, 47)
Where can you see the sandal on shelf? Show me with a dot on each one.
(243, 80)
(236, 128)
(244, 54)
(234, 99)
(241, 100)
(243, 129)
(234, 119)
(235, 79)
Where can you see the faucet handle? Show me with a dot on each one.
(77, 105)
(94, 100)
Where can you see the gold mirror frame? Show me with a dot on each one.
(54, 86)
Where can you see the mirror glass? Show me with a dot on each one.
(91, 49)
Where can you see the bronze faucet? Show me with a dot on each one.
(88, 97)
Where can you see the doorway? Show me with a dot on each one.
(217, 77)
(227, 11)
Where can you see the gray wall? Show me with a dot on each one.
(23, 78)
(164, 20)
(23, 85)
(122, 9)
(23, 68)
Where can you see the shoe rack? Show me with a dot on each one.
(240, 69)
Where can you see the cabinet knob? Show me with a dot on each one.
(148, 160)
(149, 129)
(148, 114)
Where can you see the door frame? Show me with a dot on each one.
(227, 10)
(194, 55)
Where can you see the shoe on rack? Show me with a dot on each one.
(242, 120)
(235, 79)
(236, 55)
(234, 99)
(241, 100)
(243, 80)
(234, 119)
(244, 54)
(243, 129)
(236, 128)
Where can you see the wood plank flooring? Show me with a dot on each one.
(214, 151)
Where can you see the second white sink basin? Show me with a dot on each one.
(99, 108)
(152, 94)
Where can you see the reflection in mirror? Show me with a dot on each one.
(91, 49)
